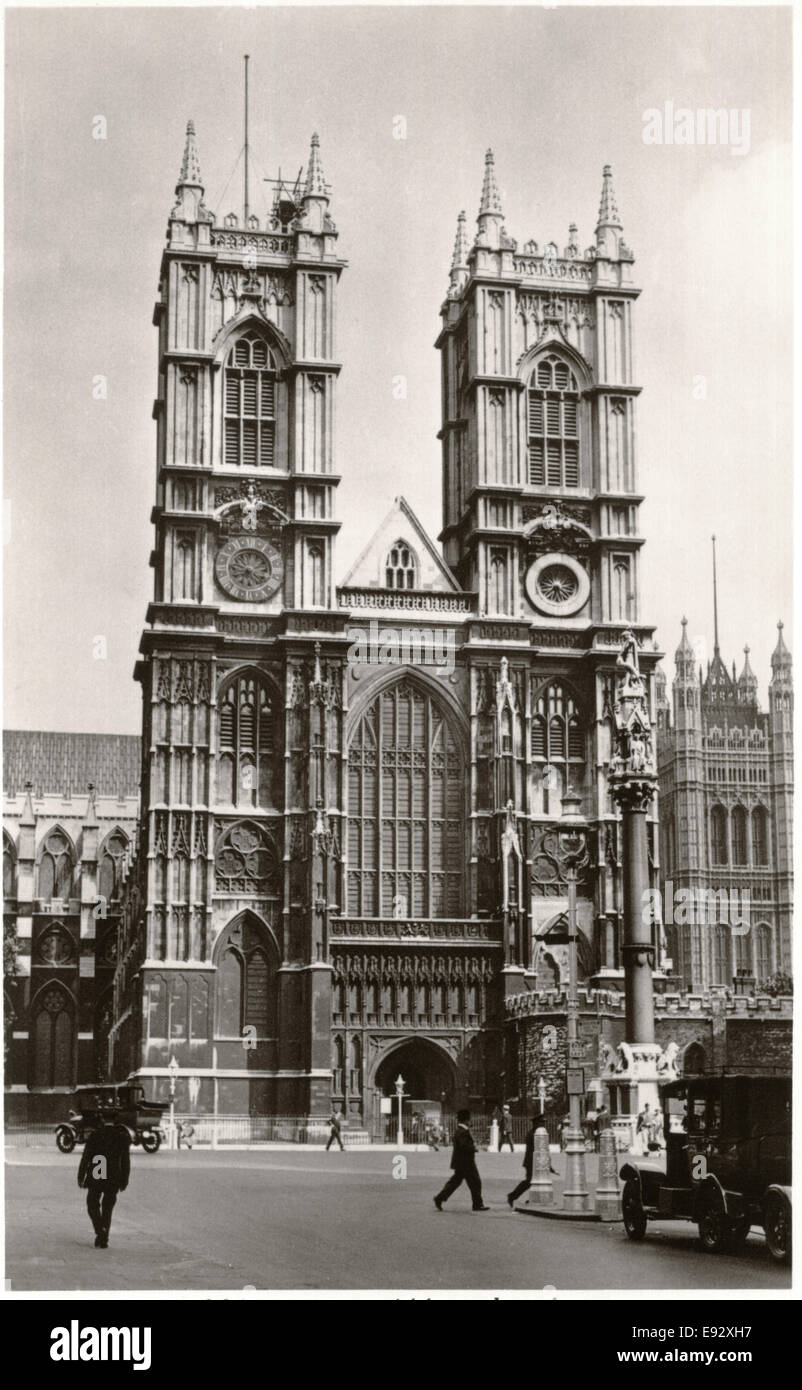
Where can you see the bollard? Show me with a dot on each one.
(541, 1188)
(492, 1147)
(608, 1200)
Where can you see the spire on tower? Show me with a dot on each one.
(459, 260)
(315, 197)
(747, 681)
(315, 183)
(490, 217)
(780, 657)
(609, 234)
(715, 601)
(491, 201)
(608, 209)
(190, 175)
(684, 656)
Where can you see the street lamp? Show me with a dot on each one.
(173, 1069)
(399, 1090)
(573, 839)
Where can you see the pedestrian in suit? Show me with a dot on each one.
(538, 1122)
(505, 1128)
(104, 1171)
(335, 1121)
(463, 1163)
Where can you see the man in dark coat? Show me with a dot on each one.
(505, 1129)
(538, 1122)
(463, 1162)
(104, 1171)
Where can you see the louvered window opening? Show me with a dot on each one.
(250, 405)
(553, 405)
(405, 810)
(247, 743)
(557, 734)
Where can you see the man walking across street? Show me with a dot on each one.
(463, 1163)
(104, 1171)
(505, 1128)
(335, 1121)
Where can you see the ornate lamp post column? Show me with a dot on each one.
(399, 1090)
(633, 1077)
(573, 839)
(633, 783)
(173, 1069)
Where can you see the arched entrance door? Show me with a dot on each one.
(429, 1075)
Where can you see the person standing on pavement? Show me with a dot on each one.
(505, 1129)
(335, 1122)
(603, 1122)
(104, 1171)
(643, 1127)
(463, 1163)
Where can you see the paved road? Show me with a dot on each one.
(309, 1220)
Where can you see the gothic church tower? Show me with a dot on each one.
(223, 953)
(540, 526)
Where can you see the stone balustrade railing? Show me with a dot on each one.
(547, 1001)
(441, 930)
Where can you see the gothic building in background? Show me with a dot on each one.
(726, 769)
(69, 822)
(346, 865)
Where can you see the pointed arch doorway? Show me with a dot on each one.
(429, 1076)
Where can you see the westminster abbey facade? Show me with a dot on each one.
(346, 860)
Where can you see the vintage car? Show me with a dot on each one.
(125, 1104)
(727, 1163)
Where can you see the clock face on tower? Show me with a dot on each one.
(249, 568)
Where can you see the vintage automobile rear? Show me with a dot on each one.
(125, 1104)
(727, 1163)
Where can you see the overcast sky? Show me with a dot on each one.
(557, 94)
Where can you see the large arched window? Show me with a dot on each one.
(760, 839)
(249, 742)
(246, 981)
(401, 568)
(558, 747)
(56, 864)
(52, 1034)
(739, 845)
(763, 961)
(112, 863)
(250, 404)
(553, 404)
(721, 970)
(406, 817)
(718, 835)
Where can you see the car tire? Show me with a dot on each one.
(65, 1141)
(150, 1142)
(714, 1227)
(777, 1226)
(632, 1211)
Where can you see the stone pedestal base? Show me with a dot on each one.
(632, 1076)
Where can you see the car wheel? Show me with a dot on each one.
(151, 1142)
(65, 1141)
(777, 1225)
(714, 1228)
(632, 1211)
